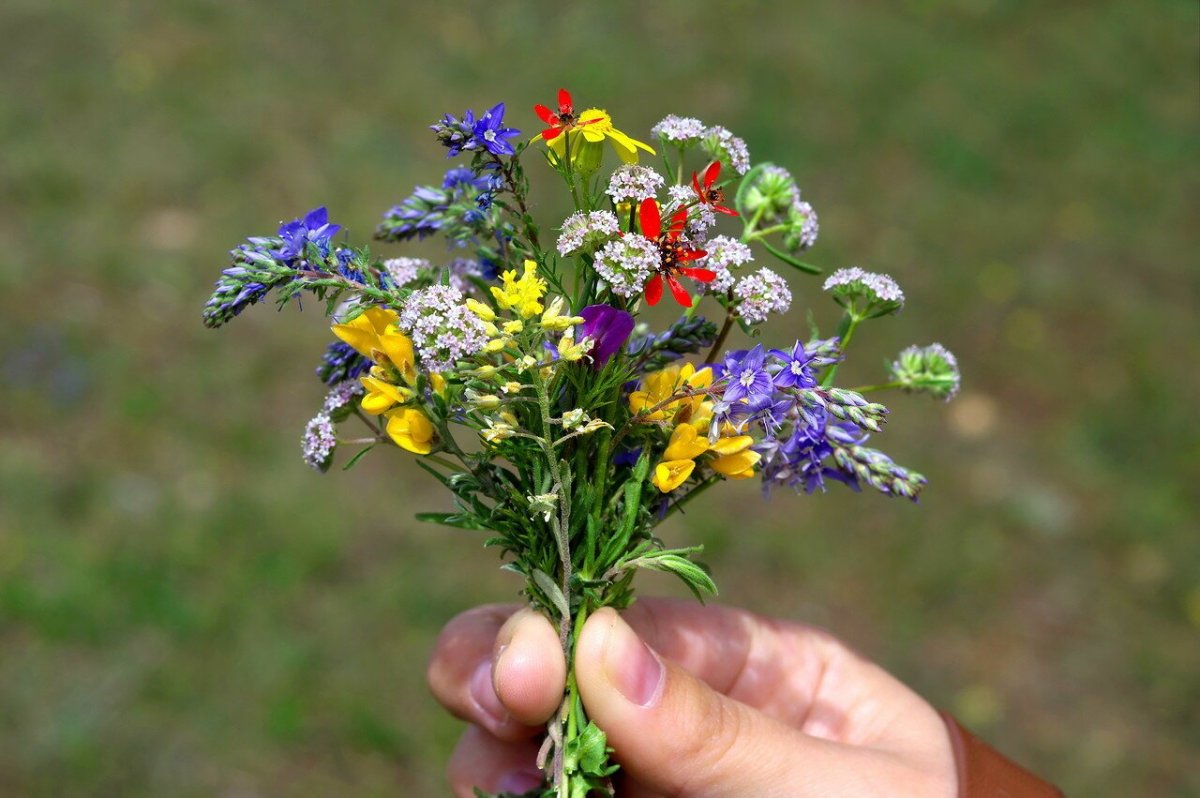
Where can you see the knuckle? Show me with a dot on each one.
(716, 746)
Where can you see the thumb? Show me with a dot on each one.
(675, 735)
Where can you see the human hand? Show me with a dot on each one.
(697, 702)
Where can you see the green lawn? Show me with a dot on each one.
(186, 609)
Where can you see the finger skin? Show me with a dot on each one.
(529, 670)
(800, 678)
(674, 734)
(480, 760)
(459, 672)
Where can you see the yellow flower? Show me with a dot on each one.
(735, 459)
(373, 334)
(438, 383)
(679, 458)
(686, 444)
(659, 387)
(521, 295)
(382, 395)
(410, 429)
(736, 466)
(481, 310)
(587, 136)
(570, 351)
(670, 474)
(553, 318)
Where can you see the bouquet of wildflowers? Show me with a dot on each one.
(520, 377)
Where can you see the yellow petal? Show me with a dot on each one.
(399, 349)
(381, 395)
(685, 444)
(736, 466)
(438, 383)
(381, 319)
(628, 141)
(670, 474)
(728, 446)
(411, 430)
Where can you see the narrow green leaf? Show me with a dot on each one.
(350, 463)
(552, 591)
(456, 520)
(789, 260)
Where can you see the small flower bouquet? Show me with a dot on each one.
(520, 377)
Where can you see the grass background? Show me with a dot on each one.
(187, 610)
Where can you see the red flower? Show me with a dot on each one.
(674, 254)
(712, 197)
(562, 121)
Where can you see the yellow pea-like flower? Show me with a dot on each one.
(670, 474)
(410, 429)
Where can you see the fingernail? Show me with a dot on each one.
(485, 695)
(632, 667)
(521, 781)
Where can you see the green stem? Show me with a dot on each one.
(721, 336)
(851, 326)
(755, 236)
(883, 386)
(748, 230)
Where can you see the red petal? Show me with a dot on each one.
(654, 290)
(710, 174)
(679, 292)
(551, 133)
(691, 254)
(678, 222)
(651, 222)
(724, 210)
(544, 114)
(696, 273)
(696, 187)
(564, 101)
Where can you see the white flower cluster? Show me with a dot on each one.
(627, 263)
(727, 148)
(724, 255)
(874, 286)
(586, 232)
(319, 441)
(442, 329)
(683, 130)
(405, 270)
(633, 183)
(761, 294)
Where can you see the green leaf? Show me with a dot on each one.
(692, 574)
(790, 261)
(456, 520)
(552, 592)
(350, 463)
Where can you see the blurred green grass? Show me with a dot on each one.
(185, 609)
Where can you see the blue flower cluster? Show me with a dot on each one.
(812, 434)
(257, 264)
(459, 207)
(471, 134)
(340, 363)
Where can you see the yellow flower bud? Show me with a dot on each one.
(481, 310)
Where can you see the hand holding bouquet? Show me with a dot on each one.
(521, 379)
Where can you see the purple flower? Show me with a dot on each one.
(314, 229)
(490, 132)
(454, 134)
(747, 378)
(796, 370)
(609, 329)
